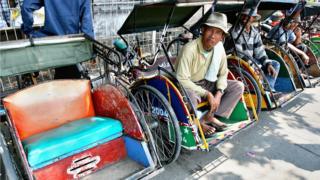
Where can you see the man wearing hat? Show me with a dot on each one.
(201, 68)
(250, 47)
(291, 33)
(284, 33)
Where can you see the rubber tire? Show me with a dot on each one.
(181, 42)
(172, 118)
(147, 132)
(253, 82)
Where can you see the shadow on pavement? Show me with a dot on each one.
(272, 138)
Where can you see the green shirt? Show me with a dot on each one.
(192, 65)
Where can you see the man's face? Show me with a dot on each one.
(245, 17)
(293, 25)
(211, 36)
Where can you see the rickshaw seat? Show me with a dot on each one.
(49, 105)
(204, 103)
(57, 119)
(70, 138)
(153, 70)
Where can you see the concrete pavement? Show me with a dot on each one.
(285, 144)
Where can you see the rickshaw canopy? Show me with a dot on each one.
(174, 13)
(233, 7)
(25, 56)
(311, 9)
(277, 4)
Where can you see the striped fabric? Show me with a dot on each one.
(281, 36)
(249, 45)
(4, 12)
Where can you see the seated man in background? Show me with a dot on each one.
(291, 34)
(201, 68)
(250, 47)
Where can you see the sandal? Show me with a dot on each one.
(218, 127)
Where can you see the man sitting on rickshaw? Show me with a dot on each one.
(291, 33)
(250, 47)
(288, 32)
(202, 69)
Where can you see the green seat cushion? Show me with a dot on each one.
(48, 146)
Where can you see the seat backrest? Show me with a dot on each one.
(153, 70)
(46, 106)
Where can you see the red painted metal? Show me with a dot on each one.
(231, 76)
(84, 163)
(110, 102)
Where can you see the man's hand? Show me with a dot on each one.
(303, 55)
(214, 101)
(305, 59)
(271, 71)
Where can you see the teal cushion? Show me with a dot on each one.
(70, 137)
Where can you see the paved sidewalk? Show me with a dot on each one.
(285, 144)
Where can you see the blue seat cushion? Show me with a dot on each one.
(69, 138)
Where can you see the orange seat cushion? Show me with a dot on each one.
(49, 105)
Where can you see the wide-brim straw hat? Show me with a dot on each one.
(218, 20)
(254, 13)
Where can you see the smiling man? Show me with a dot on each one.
(202, 69)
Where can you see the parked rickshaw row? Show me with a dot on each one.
(133, 117)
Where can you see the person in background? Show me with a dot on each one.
(4, 14)
(250, 47)
(61, 18)
(291, 34)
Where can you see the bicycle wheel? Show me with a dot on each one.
(175, 46)
(162, 122)
(147, 132)
(251, 86)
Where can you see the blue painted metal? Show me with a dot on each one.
(176, 101)
(2, 112)
(48, 146)
(284, 85)
(136, 152)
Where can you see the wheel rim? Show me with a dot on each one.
(157, 119)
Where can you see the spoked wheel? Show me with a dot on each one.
(140, 117)
(175, 46)
(252, 88)
(162, 122)
(303, 69)
(147, 133)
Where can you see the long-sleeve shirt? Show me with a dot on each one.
(4, 14)
(250, 45)
(61, 17)
(192, 65)
(281, 36)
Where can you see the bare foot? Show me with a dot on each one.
(210, 119)
(207, 130)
